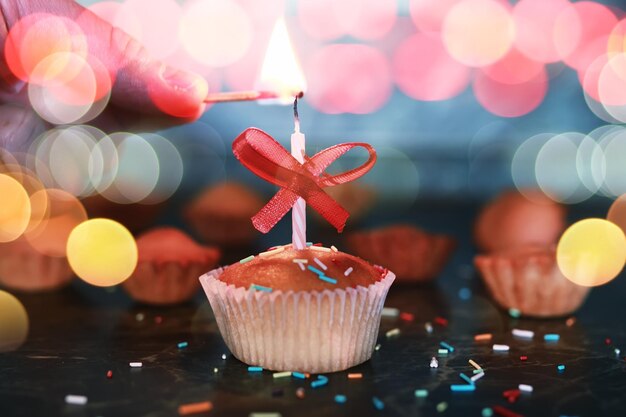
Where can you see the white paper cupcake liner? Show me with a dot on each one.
(305, 331)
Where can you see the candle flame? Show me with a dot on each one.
(281, 72)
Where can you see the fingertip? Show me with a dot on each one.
(180, 93)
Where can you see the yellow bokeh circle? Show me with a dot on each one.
(14, 209)
(102, 252)
(591, 252)
(13, 322)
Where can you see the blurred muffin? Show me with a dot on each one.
(356, 198)
(168, 267)
(514, 219)
(22, 268)
(413, 255)
(528, 279)
(222, 213)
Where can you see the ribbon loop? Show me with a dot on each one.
(268, 159)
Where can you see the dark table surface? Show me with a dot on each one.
(79, 333)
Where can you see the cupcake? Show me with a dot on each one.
(222, 214)
(22, 268)
(312, 310)
(412, 254)
(528, 279)
(135, 217)
(168, 267)
(515, 219)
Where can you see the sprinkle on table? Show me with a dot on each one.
(340, 399)
(477, 376)
(570, 321)
(377, 347)
(320, 381)
(524, 334)
(392, 332)
(462, 387)
(355, 376)
(466, 378)
(390, 312)
(428, 327)
(223, 356)
(442, 352)
(75, 399)
(256, 287)
(500, 348)
(135, 364)
(483, 337)
(486, 412)
(515, 313)
(560, 367)
(277, 375)
(511, 395)
(551, 337)
(442, 406)
(348, 271)
(523, 358)
(446, 346)
(441, 321)
(300, 393)
(182, 345)
(421, 393)
(109, 374)
(378, 404)
(504, 412)
(265, 414)
(525, 388)
(434, 363)
(474, 364)
(195, 408)
(245, 260)
(298, 375)
(255, 369)
(320, 264)
(407, 316)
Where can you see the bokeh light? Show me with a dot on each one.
(591, 252)
(424, 70)
(170, 168)
(15, 209)
(613, 147)
(428, 16)
(63, 212)
(348, 78)
(13, 323)
(523, 163)
(617, 212)
(102, 252)
(478, 32)
(366, 19)
(514, 68)
(510, 100)
(215, 32)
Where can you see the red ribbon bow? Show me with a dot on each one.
(268, 159)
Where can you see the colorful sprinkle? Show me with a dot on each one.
(524, 334)
(515, 313)
(272, 252)
(523, 358)
(135, 364)
(465, 294)
(442, 406)
(182, 345)
(421, 393)
(434, 363)
(300, 261)
(477, 376)
(511, 395)
(327, 279)
(441, 321)
(260, 288)
(300, 393)
(462, 388)
(466, 378)
(525, 388)
(378, 404)
(442, 352)
(320, 248)
(75, 399)
(223, 356)
(483, 337)
(477, 371)
(407, 317)
(333, 248)
(315, 270)
(109, 374)
(355, 376)
(570, 321)
(560, 367)
(276, 375)
(551, 337)
(195, 408)
(504, 412)
(298, 375)
(265, 414)
(255, 369)
(348, 271)
(320, 264)
(446, 346)
(486, 412)
(377, 347)
(392, 332)
(248, 259)
(474, 364)
(319, 382)
(340, 399)
(428, 327)
(501, 348)
(390, 312)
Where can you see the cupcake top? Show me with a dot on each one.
(544, 255)
(227, 199)
(167, 244)
(311, 269)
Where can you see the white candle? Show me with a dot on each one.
(298, 213)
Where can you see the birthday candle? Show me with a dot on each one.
(298, 213)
